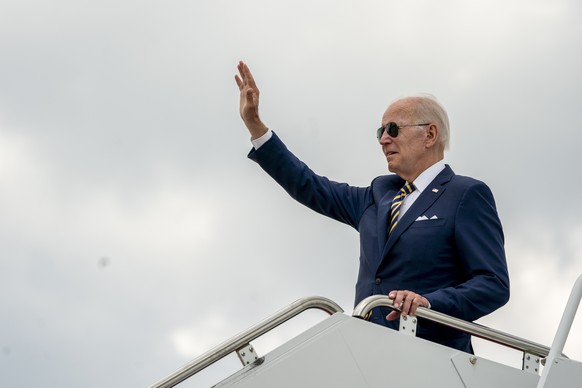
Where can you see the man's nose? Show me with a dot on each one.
(386, 139)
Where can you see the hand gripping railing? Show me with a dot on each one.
(241, 342)
(530, 349)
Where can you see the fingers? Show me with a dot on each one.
(246, 78)
(240, 81)
(246, 84)
(393, 315)
(249, 101)
(407, 302)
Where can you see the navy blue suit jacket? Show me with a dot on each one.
(456, 259)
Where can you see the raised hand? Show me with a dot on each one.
(249, 101)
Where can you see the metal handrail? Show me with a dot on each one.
(243, 339)
(526, 346)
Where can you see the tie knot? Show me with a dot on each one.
(408, 188)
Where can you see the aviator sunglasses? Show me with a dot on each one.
(392, 129)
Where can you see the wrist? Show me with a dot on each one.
(256, 129)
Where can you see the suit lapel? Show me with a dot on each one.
(433, 191)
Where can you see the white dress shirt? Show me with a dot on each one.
(258, 142)
(421, 183)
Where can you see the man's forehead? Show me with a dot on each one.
(398, 110)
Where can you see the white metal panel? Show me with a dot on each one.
(565, 373)
(477, 372)
(343, 351)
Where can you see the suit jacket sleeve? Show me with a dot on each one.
(339, 201)
(479, 243)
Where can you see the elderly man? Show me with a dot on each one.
(428, 237)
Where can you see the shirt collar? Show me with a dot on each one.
(428, 175)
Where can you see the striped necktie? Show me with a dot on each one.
(397, 202)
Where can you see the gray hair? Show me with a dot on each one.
(428, 109)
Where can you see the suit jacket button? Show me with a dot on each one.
(378, 281)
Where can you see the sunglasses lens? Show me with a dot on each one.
(379, 133)
(392, 129)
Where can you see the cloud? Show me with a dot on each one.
(134, 232)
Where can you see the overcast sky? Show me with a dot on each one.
(136, 235)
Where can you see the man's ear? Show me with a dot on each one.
(432, 135)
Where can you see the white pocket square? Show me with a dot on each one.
(425, 218)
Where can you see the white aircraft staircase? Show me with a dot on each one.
(347, 351)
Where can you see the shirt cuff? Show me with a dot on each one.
(258, 142)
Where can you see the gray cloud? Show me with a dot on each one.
(134, 232)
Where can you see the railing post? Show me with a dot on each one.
(563, 330)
